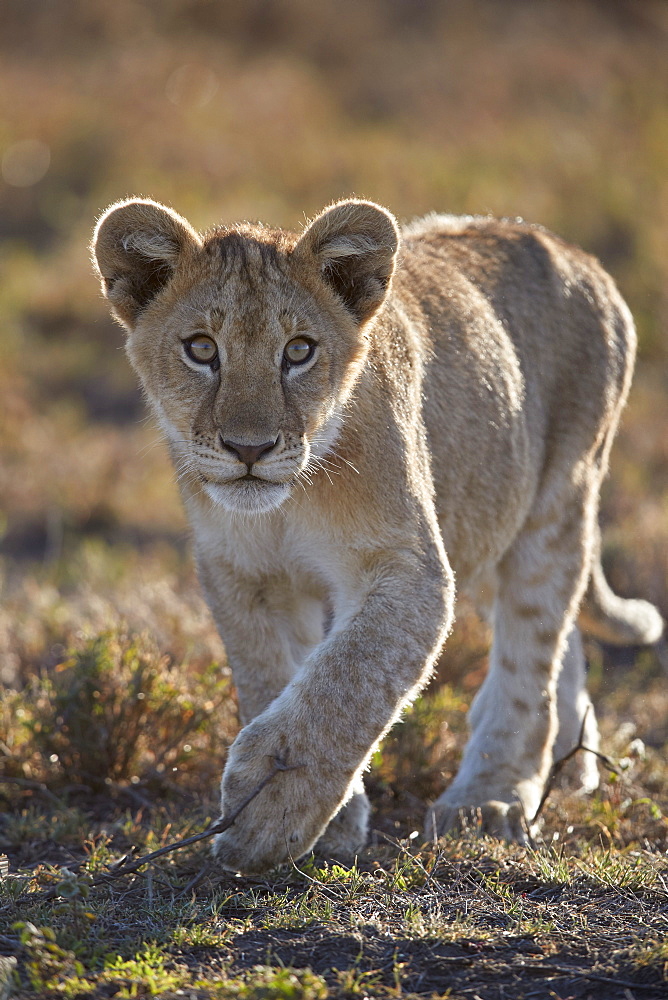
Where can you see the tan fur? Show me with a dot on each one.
(454, 422)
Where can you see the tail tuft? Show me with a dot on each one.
(617, 620)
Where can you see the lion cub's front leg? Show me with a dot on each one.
(271, 626)
(322, 728)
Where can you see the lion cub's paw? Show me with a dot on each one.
(299, 795)
(505, 820)
(276, 827)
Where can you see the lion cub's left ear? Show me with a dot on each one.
(136, 247)
(355, 244)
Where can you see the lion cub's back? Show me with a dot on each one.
(550, 294)
(548, 304)
(531, 353)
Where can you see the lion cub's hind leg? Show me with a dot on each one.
(577, 719)
(514, 718)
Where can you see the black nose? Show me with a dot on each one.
(248, 453)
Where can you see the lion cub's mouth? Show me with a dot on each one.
(247, 478)
(248, 494)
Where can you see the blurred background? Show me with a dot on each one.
(269, 109)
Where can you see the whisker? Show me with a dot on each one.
(332, 454)
(326, 464)
(345, 460)
(143, 451)
(323, 460)
(298, 479)
(321, 465)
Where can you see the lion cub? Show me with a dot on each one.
(358, 418)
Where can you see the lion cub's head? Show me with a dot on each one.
(247, 341)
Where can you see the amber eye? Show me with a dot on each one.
(298, 351)
(202, 350)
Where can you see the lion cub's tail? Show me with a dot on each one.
(614, 619)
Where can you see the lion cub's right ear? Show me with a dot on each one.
(136, 246)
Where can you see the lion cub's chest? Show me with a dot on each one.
(248, 546)
(291, 571)
(279, 545)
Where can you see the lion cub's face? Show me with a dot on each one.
(247, 342)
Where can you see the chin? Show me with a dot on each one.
(248, 498)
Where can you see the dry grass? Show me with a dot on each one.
(556, 111)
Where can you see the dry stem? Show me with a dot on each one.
(127, 867)
(559, 764)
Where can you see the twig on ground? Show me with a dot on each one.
(559, 765)
(195, 880)
(125, 868)
(128, 866)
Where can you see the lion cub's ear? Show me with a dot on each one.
(355, 243)
(136, 247)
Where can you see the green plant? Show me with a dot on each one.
(47, 963)
(116, 710)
